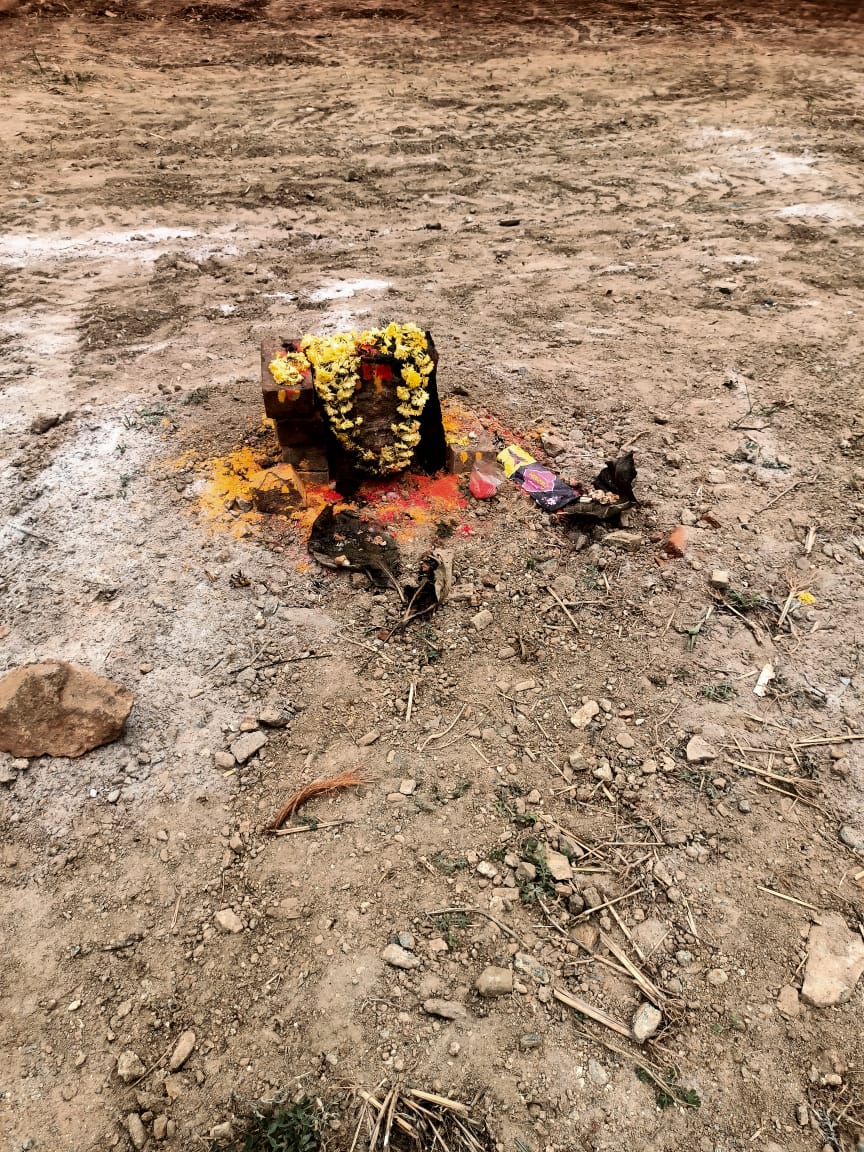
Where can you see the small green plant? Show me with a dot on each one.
(455, 793)
(543, 883)
(197, 396)
(591, 577)
(292, 1128)
(448, 865)
(520, 819)
(447, 922)
(746, 601)
(722, 690)
(667, 1089)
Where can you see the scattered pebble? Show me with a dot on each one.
(246, 745)
(494, 981)
(130, 1066)
(583, 716)
(482, 620)
(182, 1050)
(446, 1009)
(228, 921)
(137, 1131)
(646, 1022)
(835, 961)
(398, 957)
(699, 751)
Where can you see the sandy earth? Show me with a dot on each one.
(685, 277)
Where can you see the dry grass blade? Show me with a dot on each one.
(350, 779)
(802, 787)
(840, 738)
(596, 1014)
(791, 899)
(648, 986)
(441, 1101)
(431, 1121)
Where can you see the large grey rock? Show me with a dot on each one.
(835, 962)
(59, 709)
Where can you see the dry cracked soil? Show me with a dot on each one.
(627, 226)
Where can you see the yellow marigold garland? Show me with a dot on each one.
(335, 361)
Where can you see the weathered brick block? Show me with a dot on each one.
(307, 458)
(462, 457)
(297, 433)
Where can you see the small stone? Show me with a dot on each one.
(587, 935)
(676, 542)
(408, 787)
(522, 686)
(446, 1009)
(160, 1127)
(558, 865)
(852, 838)
(506, 653)
(787, 1002)
(583, 716)
(716, 476)
(182, 1050)
(716, 977)
(113, 796)
(699, 751)
(529, 1041)
(137, 1131)
(649, 767)
(487, 869)
(528, 966)
(835, 962)
(592, 897)
(619, 538)
(525, 872)
(454, 1048)
(369, 738)
(597, 1074)
(494, 981)
(246, 745)
(745, 806)
(646, 1022)
(228, 921)
(625, 740)
(223, 1131)
(398, 957)
(565, 586)
(482, 620)
(720, 578)
(223, 760)
(130, 1067)
(39, 425)
(603, 772)
(273, 717)
(406, 940)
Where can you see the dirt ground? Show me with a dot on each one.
(681, 272)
